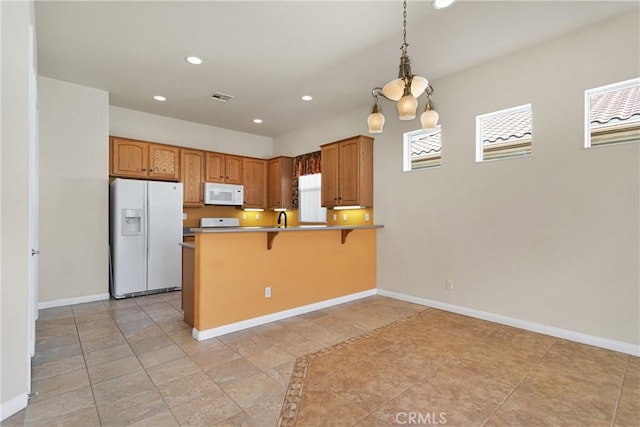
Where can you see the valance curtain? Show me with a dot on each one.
(306, 164)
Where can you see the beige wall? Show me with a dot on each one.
(552, 239)
(74, 191)
(14, 227)
(151, 127)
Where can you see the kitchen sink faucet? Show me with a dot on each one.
(280, 217)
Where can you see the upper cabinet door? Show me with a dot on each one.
(280, 175)
(129, 158)
(223, 168)
(233, 168)
(255, 183)
(329, 168)
(349, 167)
(215, 167)
(192, 177)
(164, 162)
(347, 172)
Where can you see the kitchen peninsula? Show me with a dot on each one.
(246, 276)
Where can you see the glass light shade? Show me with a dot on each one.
(418, 85)
(394, 89)
(407, 107)
(429, 119)
(375, 122)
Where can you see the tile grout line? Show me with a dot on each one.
(624, 379)
(143, 367)
(495, 411)
(84, 359)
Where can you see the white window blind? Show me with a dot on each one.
(309, 205)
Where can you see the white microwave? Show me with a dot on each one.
(223, 194)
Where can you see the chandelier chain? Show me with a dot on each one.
(404, 27)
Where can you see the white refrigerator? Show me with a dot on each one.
(146, 229)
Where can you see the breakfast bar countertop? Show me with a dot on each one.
(276, 229)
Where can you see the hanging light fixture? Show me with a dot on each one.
(405, 89)
(375, 119)
(429, 119)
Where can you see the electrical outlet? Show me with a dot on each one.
(335, 217)
(184, 215)
(244, 216)
(267, 292)
(257, 216)
(344, 216)
(449, 284)
(366, 216)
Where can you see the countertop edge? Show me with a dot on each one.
(187, 245)
(283, 229)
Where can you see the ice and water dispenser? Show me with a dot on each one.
(131, 222)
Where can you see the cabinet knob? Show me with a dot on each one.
(143, 169)
(226, 177)
(221, 176)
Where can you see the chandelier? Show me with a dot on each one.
(405, 90)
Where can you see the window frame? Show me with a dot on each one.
(587, 110)
(480, 137)
(406, 148)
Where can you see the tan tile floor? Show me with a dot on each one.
(134, 362)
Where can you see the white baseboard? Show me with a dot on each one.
(71, 301)
(249, 323)
(593, 340)
(13, 406)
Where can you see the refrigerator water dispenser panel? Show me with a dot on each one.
(131, 222)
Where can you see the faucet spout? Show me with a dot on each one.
(280, 215)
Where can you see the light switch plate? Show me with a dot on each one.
(184, 215)
(366, 216)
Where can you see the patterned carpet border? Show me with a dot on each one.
(293, 397)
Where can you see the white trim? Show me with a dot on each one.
(540, 328)
(71, 301)
(480, 130)
(261, 320)
(587, 107)
(13, 406)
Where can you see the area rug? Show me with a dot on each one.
(343, 352)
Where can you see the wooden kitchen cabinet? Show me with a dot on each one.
(279, 177)
(192, 177)
(164, 162)
(347, 172)
(129, 158)
(223, 168)
(140, 159)
(255, 182)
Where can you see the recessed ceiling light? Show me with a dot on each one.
(257, 121)
(193, 60)
(307, 97)
(159, 98)
(441, 4)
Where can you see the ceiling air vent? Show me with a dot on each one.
(220, 97)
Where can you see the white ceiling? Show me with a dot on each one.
(268, 54)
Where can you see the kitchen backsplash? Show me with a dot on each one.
(267, 218)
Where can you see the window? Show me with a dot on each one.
(504, 134)
(422, 149)
(309, 206)
(612, 114)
